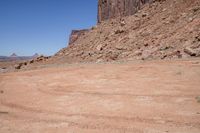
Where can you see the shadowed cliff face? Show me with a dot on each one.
(115, 8)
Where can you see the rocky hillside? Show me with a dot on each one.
(164, 29)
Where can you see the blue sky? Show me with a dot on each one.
(42, 26)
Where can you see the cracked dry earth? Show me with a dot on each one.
(134, 97)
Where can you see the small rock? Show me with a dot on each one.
(146, 54)
(99, 56)
(163, 57)
(120, 47)
(191, 19)
(164, 9)
(111, 55)
(196, 62)
(197, 38)
(106, 38)
(165, 48)
(126, 54)
(144, 15)
(198, 99)
(19, 66)
(190, 51)
(119, 31)
(114, 56)
(175, 53)
(80, 53)
(138, 53)
(25, 63)
(32, 61)
(100, 47)
(4, 68)
(90, 53)
(179, 54)
(94, 27)
(146, 44)
(99, 61)
(122, 23)
(195, 9)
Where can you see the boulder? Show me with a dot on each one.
(19, 66)
(100, 47)
(190, 51)
(119, 31)
(138, 53)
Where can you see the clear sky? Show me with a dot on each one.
(42, 26)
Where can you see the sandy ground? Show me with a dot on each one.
(149, 97)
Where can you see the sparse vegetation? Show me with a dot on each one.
(198, 99)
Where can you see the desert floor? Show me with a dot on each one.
(134, 97)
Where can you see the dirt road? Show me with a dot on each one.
(149, 97)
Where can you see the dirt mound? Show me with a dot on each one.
(160, 30)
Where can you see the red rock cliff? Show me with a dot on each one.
(115, 8)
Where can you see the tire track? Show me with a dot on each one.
(52, 91)
(94, 117)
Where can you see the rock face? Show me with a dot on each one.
(108, 9)
(75, 34)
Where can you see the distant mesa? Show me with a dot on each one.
(13, 55)
(36, 55)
